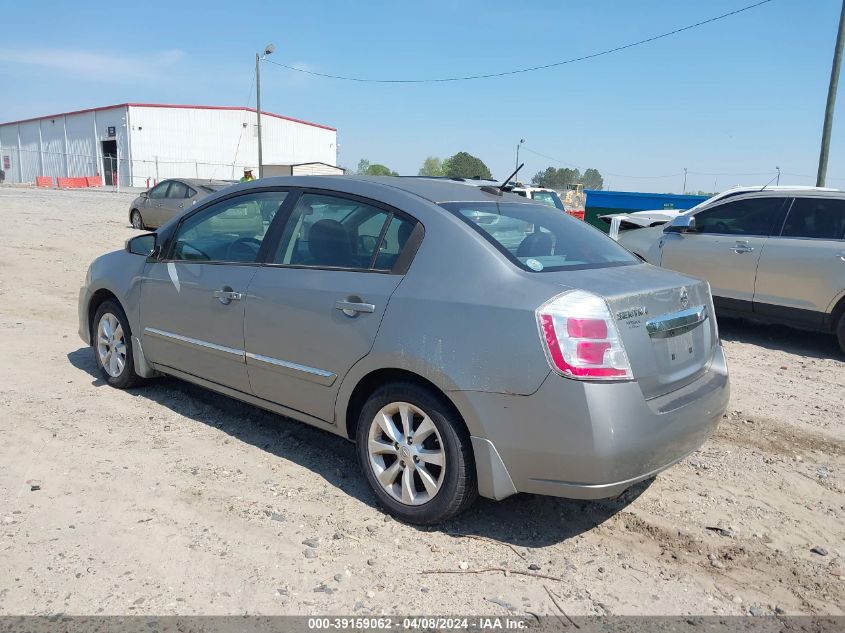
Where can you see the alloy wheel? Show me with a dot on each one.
(111, 345)
(406, 453)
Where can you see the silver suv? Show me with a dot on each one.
(771, 255)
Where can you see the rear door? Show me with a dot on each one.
(725, 247)
(192, 302)
(802, 271)
(315, 309)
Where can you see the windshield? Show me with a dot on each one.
(538, 238)
(549, 198)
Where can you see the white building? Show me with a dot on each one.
(146, 142)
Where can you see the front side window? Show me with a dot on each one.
(816, 218)
(333, 232)
(177, 190)
(754, 216)
(160, 190)
(538, 238)
(231, 230)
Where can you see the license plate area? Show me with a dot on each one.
(680, 348)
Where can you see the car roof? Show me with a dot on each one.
(435, 190)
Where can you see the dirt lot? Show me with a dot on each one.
(170, 499)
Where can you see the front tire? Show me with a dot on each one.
(416, 455)
(112, 342)
(840, 332)
(136, 220)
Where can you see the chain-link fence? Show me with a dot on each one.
(23, 166)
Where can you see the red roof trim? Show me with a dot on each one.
(169, 105)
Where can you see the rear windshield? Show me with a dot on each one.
(539, 238)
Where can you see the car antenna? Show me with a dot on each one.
(499, 190)
(768, 183)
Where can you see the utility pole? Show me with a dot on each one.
(778, 180)
(521, 141)
(831, 100)
(685, 170)
(267, 51)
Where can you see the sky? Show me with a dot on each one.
(729, 101)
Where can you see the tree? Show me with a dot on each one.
(563, 177)
(556, 178)
(366, 169)
(464, 165)
(592, 179)
(432, 166)
(380, 170)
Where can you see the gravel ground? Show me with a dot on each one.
(173, 500)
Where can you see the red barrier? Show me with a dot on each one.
(94, 181)
(72, 183)
(43, 181)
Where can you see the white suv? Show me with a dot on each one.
(776, 255)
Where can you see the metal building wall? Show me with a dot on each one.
(158, 142)
(217, 143)
(63, 145)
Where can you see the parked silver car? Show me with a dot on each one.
(389, 311)
(169, 198)
(776, 255)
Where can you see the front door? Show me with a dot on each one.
(153, 212)
(192, 302)
(316, 309)
(725, 247)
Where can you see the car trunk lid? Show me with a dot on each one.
(665, 321)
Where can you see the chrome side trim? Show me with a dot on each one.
(676, 323)
(222, 350)
(293, 369)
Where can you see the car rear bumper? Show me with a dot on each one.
(589, 440)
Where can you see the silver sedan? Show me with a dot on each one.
(468, 340)
(169, 198)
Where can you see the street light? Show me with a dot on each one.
(778, 182)
(521, 141)
(268, 50)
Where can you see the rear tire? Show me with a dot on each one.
(111, 339)
(415, 454)
(840, 332)
(136, 220)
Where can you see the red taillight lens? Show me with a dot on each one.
(586, 328)
(591, 352)
(580, 336)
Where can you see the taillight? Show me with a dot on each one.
(580, 338)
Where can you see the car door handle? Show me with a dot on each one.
(352, 308)
(227, 295)
(841, 256)
(742, 248)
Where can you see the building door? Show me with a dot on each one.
(109, 162)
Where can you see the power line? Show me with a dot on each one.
(525, 70)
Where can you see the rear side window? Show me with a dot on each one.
(177, 190)
(754, 216)
(816, 218)
(333, 232)
(539, 238)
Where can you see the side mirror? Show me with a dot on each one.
(145, 194)
(681, 224)
(144, 245)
